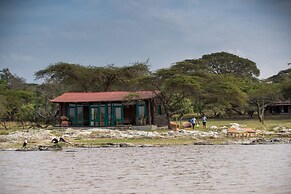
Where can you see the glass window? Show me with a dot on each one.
(141, 111)
(109, 113)
(80, 115)
(118, 113)
(72, 114)
(94, 114)
(102, 115)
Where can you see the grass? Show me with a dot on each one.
(137, 141)
(269, 123)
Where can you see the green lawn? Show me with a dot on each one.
(269, 123)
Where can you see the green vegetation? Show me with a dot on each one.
(217, 84)
(268, 125)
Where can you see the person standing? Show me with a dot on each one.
(204, 121)
(193, 122)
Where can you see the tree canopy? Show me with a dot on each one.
(215, 84)
(226, 63)
(92, 78)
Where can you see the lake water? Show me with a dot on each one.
(173, 169)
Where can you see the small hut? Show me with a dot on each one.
(109, 108)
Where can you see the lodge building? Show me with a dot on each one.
(97, 109)
(279, 107)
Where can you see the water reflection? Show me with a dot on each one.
(175, 169)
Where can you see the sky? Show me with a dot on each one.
(35, 34)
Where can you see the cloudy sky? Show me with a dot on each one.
(34, 33)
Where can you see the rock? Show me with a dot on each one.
(234, 124)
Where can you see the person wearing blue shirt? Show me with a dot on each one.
(193, 122)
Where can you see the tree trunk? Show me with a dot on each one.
(261, 112)
(22, 124)
(169, 121)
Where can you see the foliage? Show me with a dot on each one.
(26, 113)
(223, 93)
(92, 78)
(262, 94)
(175, 90)
(15, 94)
(283, 78)
(226, 63)
(11, 81)
(216, 84)
(4, 110)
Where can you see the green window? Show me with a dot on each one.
(141, 113)
(75, 114)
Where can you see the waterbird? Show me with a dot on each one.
(55, 140)
(24, 143)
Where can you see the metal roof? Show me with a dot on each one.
(103, 96)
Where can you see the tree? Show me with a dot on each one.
(26, 113)
(283, 78)
(218, 93)
(226, 63)
(14, 93)
(3, 111)
(223, 93)
(91, 78)
(12, 81)
(174, 90)
(73, 76)
(263, 94)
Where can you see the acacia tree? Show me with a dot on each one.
(174, 90)
(14, 93)
(283, 78)
(219, 92)
(26, 113)
(263, 94)
(73, 76)
(226, 63)
(4, 111)
(92, 78)
(223, 93)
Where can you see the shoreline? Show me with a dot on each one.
(63, 147)
(40, 139)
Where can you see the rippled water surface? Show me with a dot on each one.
(174, 169)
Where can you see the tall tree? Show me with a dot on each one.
(226, 63)
(4, 111)
(174, 90)
(283, 78)
(223, 93)
(263, 94)
(219, 92)
(12, 81)
(91, 78)
(74, 76)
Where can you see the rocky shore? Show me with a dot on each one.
(41, 139)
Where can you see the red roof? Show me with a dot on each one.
(102, 96)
